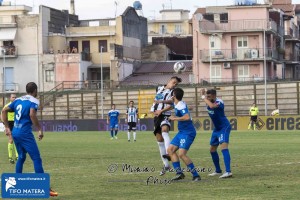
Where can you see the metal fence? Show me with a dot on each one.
(85, 103)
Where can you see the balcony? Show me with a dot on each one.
(245, 54)
(208, 27)
(9, 87)
(292, 33)
(292, 58)
(8, 51)
(8, 21)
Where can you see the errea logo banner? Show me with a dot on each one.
(28, 185)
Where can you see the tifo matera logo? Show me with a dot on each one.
(10, 183)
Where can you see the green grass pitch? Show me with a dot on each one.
(265, 165)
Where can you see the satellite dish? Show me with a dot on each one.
(137, 5)
(199, 16)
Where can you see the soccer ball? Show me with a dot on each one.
(179, 67)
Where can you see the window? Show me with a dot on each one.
(216, 75)
(163, 29)
(49, 75)
(178, 28)
(224, 17)
(243, 73)
(242, 42)
(103, 43)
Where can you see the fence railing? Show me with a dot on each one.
(237, 25)
(86, 104)
(238, 54)
(8, 51)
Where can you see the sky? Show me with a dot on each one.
(97, 9)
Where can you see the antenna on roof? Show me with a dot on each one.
(116, 4)
(163, 5)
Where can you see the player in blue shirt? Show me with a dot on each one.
(221, 132)
(25, 109)
(113, 120)
(184, 138)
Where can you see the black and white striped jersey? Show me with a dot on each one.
(162, 93)
(132, 114)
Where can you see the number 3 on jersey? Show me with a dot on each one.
(19, 112)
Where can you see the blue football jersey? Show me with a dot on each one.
(217, 115)
(113, 116)
(21, 106)
(184, 127)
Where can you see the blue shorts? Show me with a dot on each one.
(183, 141)
(114, 125)
(220, 136)
(26, 143)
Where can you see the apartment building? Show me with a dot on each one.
(19, 42)
(85, 47)
(170, 22)
(244, 43)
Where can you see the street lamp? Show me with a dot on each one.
(101, 83)
(211, 39)
(4, 82)
(265, 75)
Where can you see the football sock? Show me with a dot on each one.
(226, 156)
(166, 137)
(112, 133)
(162, 151)
(116, 132)
(10, 150)
(134, 135)
(192, 169)
(249, 126)
(254, 126)
(128, 135)
(177, 167)
(16, 152)
(216, 159)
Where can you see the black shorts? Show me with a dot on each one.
(131, 126)
(11, 125)
(254, 118)
(158, 123)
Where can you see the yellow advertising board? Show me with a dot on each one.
(270, 123)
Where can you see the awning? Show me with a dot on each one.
(7, 34)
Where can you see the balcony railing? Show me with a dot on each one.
(238, 54)
(8, 21)
(292, 57)
(292, 32)
(237, 25)
(9, 87)
(8, 51)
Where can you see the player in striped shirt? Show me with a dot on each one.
(132, 114)
(161, 122)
